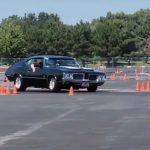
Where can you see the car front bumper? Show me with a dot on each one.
(82, 83)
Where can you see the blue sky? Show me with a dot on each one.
(71, 11)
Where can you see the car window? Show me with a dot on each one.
(50, 62)
(30, 61)
(35, 61)
(61, 62)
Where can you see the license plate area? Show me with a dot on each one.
(85, 84)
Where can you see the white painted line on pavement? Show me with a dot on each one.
(117, 90)
(33, 128)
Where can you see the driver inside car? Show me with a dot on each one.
(37, 64)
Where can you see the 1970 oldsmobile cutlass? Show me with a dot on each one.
(54, 73)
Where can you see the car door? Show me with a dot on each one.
(34, 71)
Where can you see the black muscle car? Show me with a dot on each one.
(54, 73)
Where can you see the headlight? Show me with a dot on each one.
(100, 78)
(67, 76)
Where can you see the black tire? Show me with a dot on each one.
(53, 85)
(19, 84)
(92, 88)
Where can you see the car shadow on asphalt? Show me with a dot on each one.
(39, 91)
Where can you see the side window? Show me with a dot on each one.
(37, 62)
(50, 62)
(29, 62)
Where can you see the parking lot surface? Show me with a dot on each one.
(114, 118)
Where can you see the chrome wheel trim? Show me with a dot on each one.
(52, 84)
(18, 83)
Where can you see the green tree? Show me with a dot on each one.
(107, 38)
(11, 40)
(83, 40)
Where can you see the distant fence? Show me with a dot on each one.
(130, 65)
(115, 61)
(9, 61)
(96, 62)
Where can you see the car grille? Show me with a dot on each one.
(78, 76)
(92, 77)
(86, 76)
(81, 76)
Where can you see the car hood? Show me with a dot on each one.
(70, 68)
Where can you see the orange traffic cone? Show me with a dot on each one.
(3, 90)
(142, 87)
(8, 91)
(137, 87)
(71, 91)
(125, 77)
(15, 90)
(113, 76)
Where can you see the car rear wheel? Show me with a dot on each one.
(18, 83)
(53, 85)
(92, 88)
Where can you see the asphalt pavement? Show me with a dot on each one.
(116, 117)
(106, 120)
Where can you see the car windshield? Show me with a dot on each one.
(61, 62)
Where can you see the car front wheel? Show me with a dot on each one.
(92, 88)
(53, 85)
(18, 83)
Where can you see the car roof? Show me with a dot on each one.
(51, 56)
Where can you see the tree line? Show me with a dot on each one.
(117, 34)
